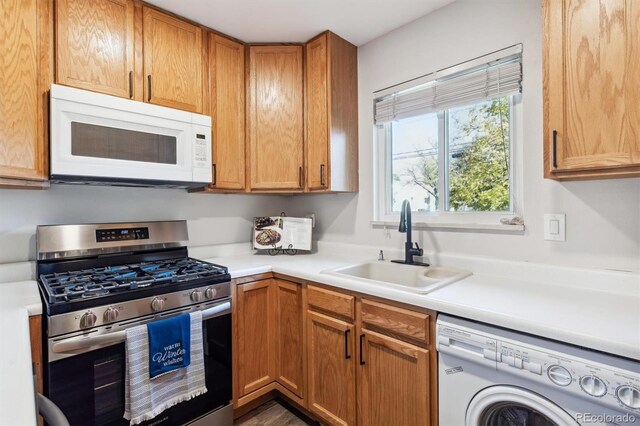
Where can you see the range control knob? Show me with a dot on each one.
(593, 385)
(559, 375)
(88, 320)
(196, 295)
(157, 304)
(110, 315)
(629, 396)
(210, 293)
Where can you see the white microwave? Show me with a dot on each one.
(102, 139)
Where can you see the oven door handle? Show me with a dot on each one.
(83, 342)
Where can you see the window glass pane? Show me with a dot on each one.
(414, 164)
(479, 156)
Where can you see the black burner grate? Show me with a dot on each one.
(98, 282)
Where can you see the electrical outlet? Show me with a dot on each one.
(311, 216)
(555, 227)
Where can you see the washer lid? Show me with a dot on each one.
(498, 405)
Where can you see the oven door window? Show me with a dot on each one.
(89, 388)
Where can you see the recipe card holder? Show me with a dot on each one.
(282, 234)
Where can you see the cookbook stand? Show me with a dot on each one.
(289, 250)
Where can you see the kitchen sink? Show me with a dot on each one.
(413, 278)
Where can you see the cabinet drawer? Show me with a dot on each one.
(397, 321)
(331, 301)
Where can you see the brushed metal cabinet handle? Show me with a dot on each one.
(215, 172)
(322, 182)
(300, 177)
(149, 87)
(362, 362)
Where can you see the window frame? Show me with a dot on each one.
(383, 187)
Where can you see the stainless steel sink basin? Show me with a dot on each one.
(416, 279)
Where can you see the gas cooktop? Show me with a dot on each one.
(97, 282)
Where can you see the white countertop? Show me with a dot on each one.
(17, 301)
(594, 309)
(604, 316)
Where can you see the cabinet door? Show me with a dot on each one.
(94, 45)
(317, 113)
(172, 61)
(24, 30)
(226, 69)
(290, 353)
(276, 117)
(591, 89)
(331, 364)
(255, 336)
(393, 386)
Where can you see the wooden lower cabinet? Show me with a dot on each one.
(268, 340)
(35, 336)
(393, 382)
(289, 336)
(332, 375)
(255, 360)
(341, 358)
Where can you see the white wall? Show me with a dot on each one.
(603, 217)
(212, 219)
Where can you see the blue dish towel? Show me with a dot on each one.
(169, 344)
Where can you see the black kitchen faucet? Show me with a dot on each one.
(405, 227)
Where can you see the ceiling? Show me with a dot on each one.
(358, 21)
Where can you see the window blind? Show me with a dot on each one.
(454, 87)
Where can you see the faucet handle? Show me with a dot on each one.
(420, 251)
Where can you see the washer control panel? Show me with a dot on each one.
(613, 381)
(617, 388)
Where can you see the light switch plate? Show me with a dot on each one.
(311, 216)
(555, 227)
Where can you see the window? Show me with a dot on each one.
(448, 145)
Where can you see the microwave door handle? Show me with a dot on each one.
(84, 342)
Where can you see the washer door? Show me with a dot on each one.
(513, 406)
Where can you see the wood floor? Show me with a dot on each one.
(271, 414)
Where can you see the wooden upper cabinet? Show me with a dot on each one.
(591, 90)
(173, 65)
(94, 45)
(393, 382)
(227, 72)
(317, 113)
(275, 122)
(25, 74)
(332, 114)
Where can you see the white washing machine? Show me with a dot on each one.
(489, 376)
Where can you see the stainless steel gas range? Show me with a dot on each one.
(97, 280)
